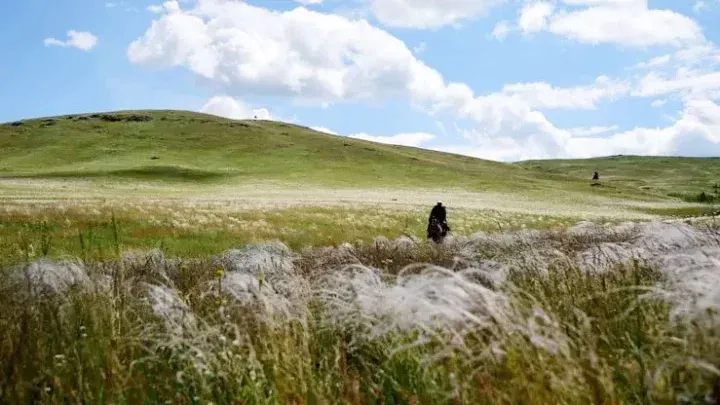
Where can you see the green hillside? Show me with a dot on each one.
(676, 176)
(184, 146)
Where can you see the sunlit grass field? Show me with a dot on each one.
(173, 257)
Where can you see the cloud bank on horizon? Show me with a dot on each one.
(497, 79)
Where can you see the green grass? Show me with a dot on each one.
(88, 230)
(678, 176)
(184, 146)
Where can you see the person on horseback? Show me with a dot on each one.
(437, 223)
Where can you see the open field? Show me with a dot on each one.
(172, 257)
(199, 220)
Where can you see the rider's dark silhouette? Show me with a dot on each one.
(438, 215)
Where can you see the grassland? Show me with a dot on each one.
(184, 146)
(676, 176)
(135, 268)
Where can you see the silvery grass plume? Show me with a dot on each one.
(262, 274)
(433, 303)
(48, 278)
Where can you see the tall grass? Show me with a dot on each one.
(512, 318)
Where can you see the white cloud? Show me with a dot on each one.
(420, 48)
(697, 130)
(692, 73)
(172, 6)
(78, 39)
(590, 131)
(654, 62)
(414, 139)
(297, 53)
(309, 2)
(405, 139)
(543, 95)
(694, 84)
(623, 22)
(228, 107)
(428, 13)
(628, 22)
(325, 130)
(501, 30)
(119, 4)
(157, 9)
(658, 103)
(534, 16)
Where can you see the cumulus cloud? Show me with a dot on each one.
(692, 73)
(404, 139)
(82, 40)
(699, 124)
(697, 131)
(543, 95)
(428, 13)
(228, 107)
(534, 16)
(623, 22)
(689, 83)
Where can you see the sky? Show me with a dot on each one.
(505, 80)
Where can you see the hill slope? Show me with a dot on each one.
(186, 146)
(676, 176)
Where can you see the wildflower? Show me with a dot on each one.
(219, 272)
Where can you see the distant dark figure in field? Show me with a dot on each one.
(437, 223)
(596, 176)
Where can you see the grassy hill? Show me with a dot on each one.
(682, 177)
(185, 146)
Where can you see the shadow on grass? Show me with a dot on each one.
(144, 173)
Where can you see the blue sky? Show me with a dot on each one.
(498, 79)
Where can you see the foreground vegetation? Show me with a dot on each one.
(266, 325)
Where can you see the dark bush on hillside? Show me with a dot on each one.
(16, 124)
(126, 118)
(702, 197)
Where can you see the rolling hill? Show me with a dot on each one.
(681, 177)
(174, 146)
